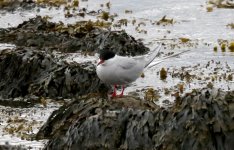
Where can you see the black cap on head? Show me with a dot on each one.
(105, 55)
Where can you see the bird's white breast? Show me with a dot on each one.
(119, 70)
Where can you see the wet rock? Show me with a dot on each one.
(34, 68)
(98, 123)
(200, 120)
(12, 5)
(31, 72)
(10, 147)
(84, 36)
(222, 3)
(20, 102)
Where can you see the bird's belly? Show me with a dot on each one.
(117, 77)
(108, 76)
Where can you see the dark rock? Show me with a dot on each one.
(11, 147)
(32, 72)
(20, 102)
(84, 36)
(34, 69)
(222, 3)
(195, 121)
(12, 5)
(97, 123)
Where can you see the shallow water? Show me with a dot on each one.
(191, 21)
(19, 125)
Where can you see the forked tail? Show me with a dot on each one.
(162, 59)
(153, 55)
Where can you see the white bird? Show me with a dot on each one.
(119, 70)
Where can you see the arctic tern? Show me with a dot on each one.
(119, 70)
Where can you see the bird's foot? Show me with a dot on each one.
(120, 95)
(113, 95)
(114, 92)
(116, 96)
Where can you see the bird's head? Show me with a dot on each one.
(105, 55)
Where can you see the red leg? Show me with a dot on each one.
(114, 92)
(121, 94)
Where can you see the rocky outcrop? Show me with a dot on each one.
(85, 36)
(222, 3)
(10, 147)
(13, 5)
(200, 120)
(34, 69)
(31, 72)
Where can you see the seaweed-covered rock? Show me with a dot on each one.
(11, 147)
(96, 123)
(12, 5)
(200, 120)
(34, 69)
(222, 3)
(85, 36)
(32, 72)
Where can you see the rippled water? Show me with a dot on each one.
(191, 21)
(19, 124)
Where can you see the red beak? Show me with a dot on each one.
(100, 62)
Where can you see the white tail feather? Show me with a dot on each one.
(163, 59)
(153, 55)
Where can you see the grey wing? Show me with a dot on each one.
(127, 63)
(129, 70)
